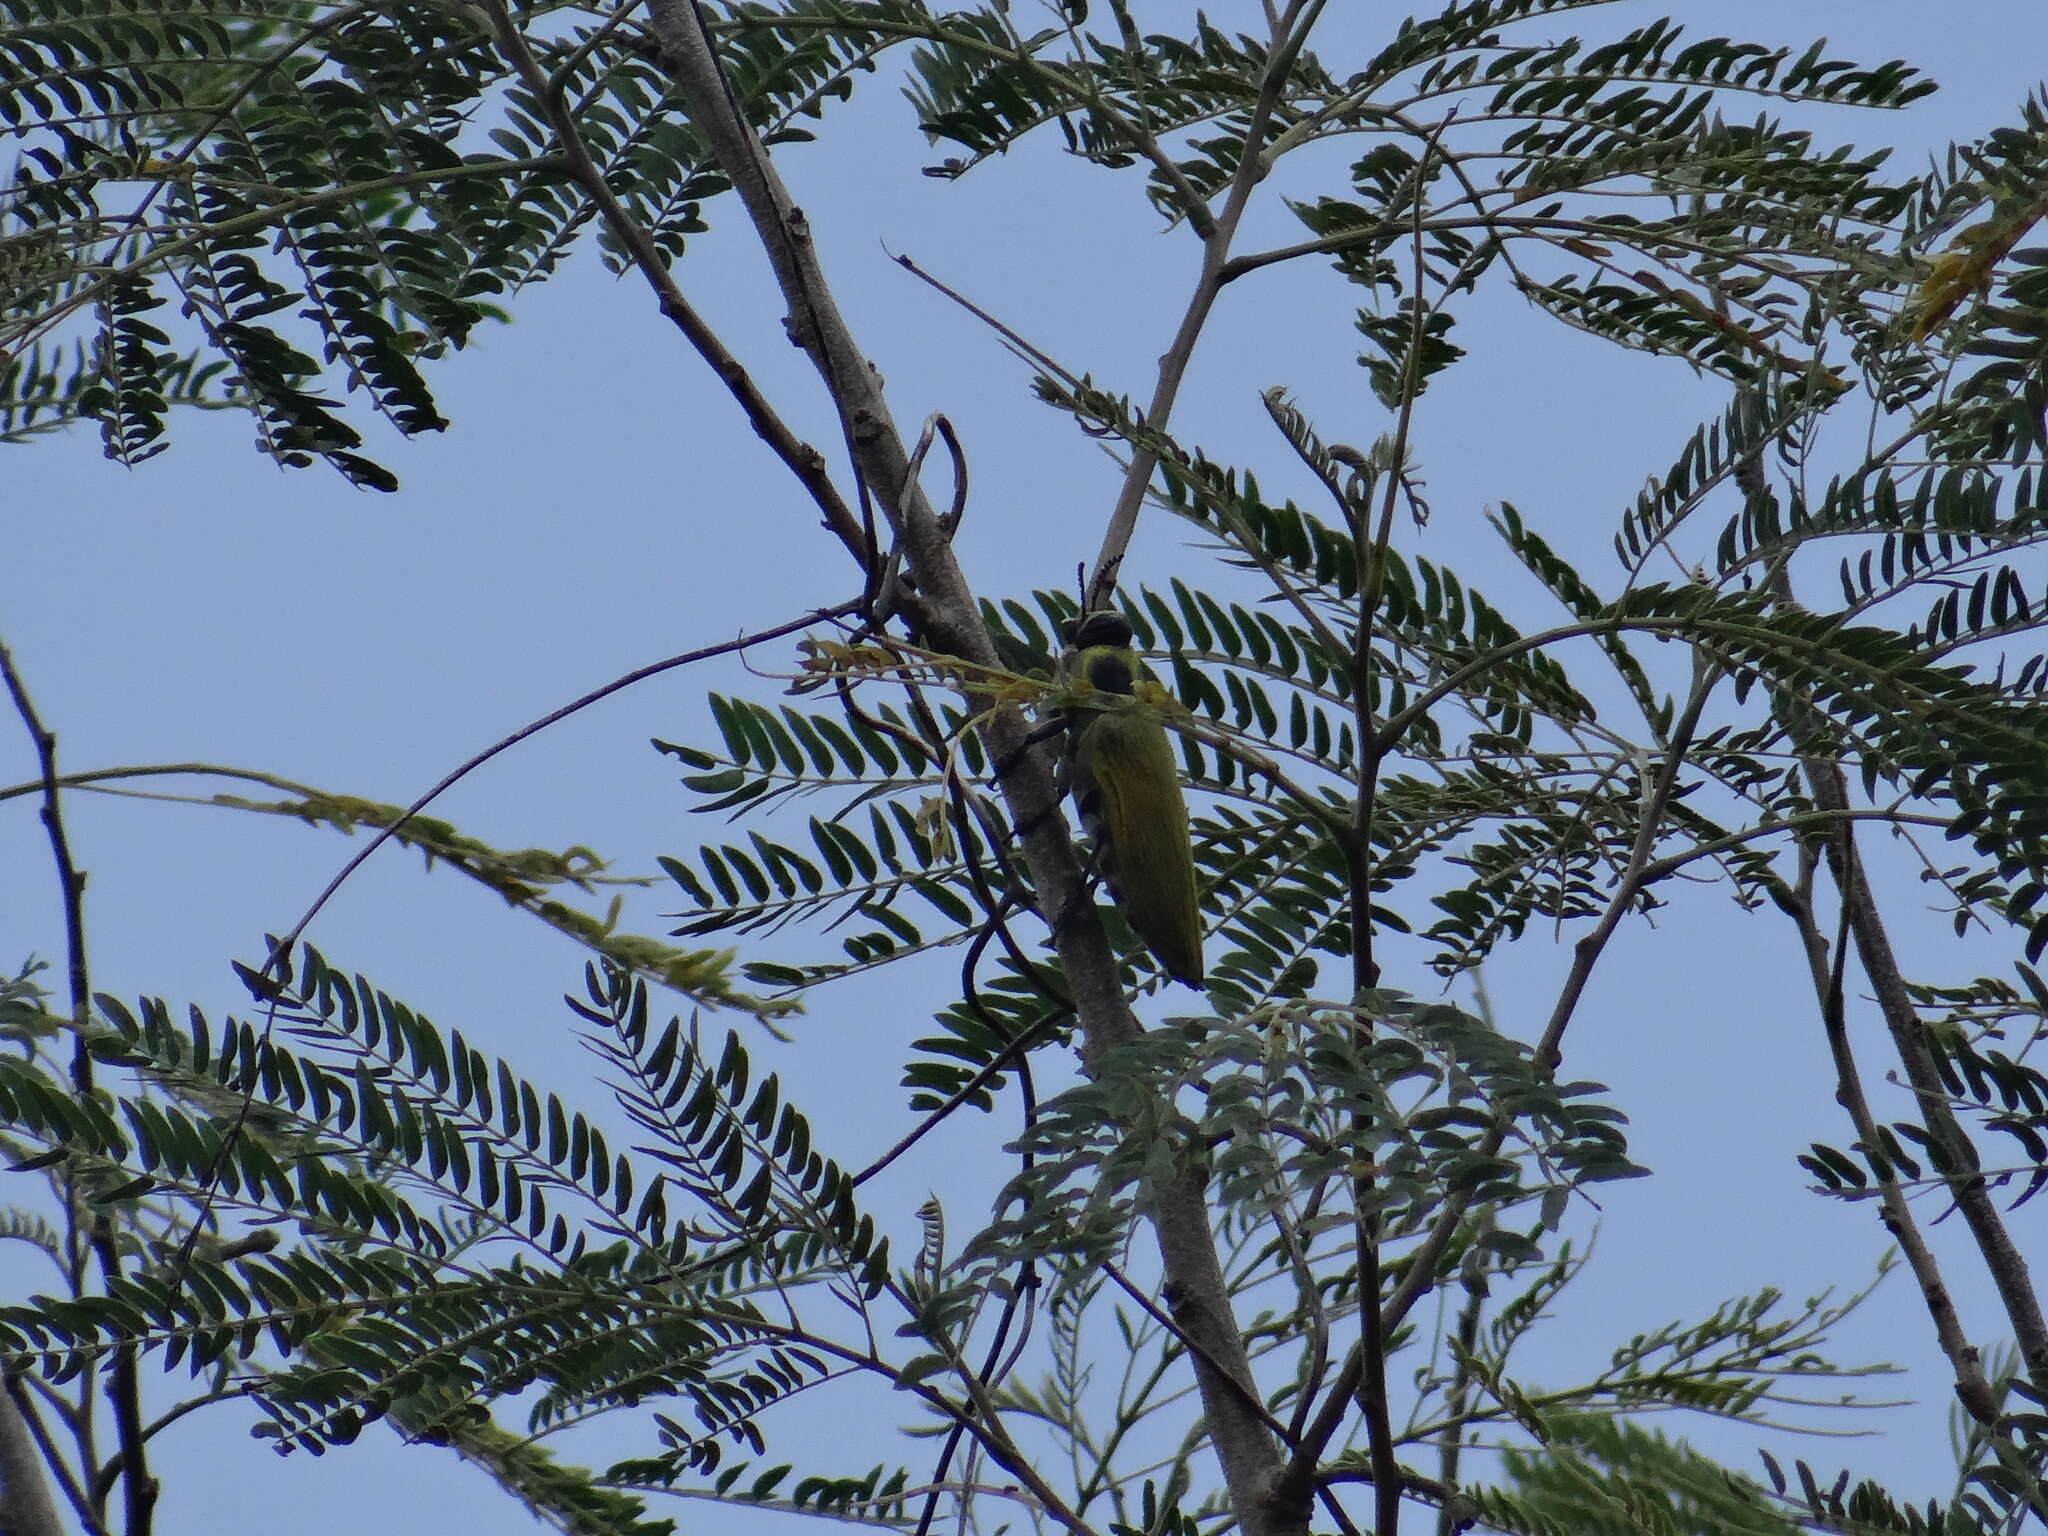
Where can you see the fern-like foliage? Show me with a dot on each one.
(1601, 1475)
(1296, 1097)
(460, 1229)
(334, 197)
(1824, 611)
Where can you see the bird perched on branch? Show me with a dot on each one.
(1126, 786)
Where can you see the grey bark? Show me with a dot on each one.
(25, 1505)
(944, 610)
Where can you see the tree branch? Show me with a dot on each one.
(1290, 31)
(944, 611)
(124, 1385)
(1958, 1160)
(1972, 1389)
(25, 1505)
(798, 457)
(1956, 1153)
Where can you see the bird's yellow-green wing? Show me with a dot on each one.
(1129, 762)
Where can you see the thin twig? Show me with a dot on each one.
(1956, 1152)
(964, 1094)
(1456, 1400)
(1371, 550)
(1246, 1395)
(554, 717)
(280, 953)
(800, 458)
(1290, 33)
(1371, 556)
(1193, 1346)
(1012, 338)
(993, 1368)
(124, 1386)
(1973, 1391)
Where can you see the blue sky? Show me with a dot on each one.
(598, 503)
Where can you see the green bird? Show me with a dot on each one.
(1126, 785)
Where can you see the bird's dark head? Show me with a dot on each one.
(1099, 628)
(1101, 648)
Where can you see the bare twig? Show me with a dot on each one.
(1973, 1391)
(170, 1416)
(1252, 1402)
(965, 1093)
(1958, 1156)
(1012, 338)
(1456, 1400)
(1290, 32)
(800, 458)
(534, 727)
(1194, 1347)
(138, 1487)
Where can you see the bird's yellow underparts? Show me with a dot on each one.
(1126, 786)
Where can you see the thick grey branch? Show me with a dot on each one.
(944, 611)
(25, 1505)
